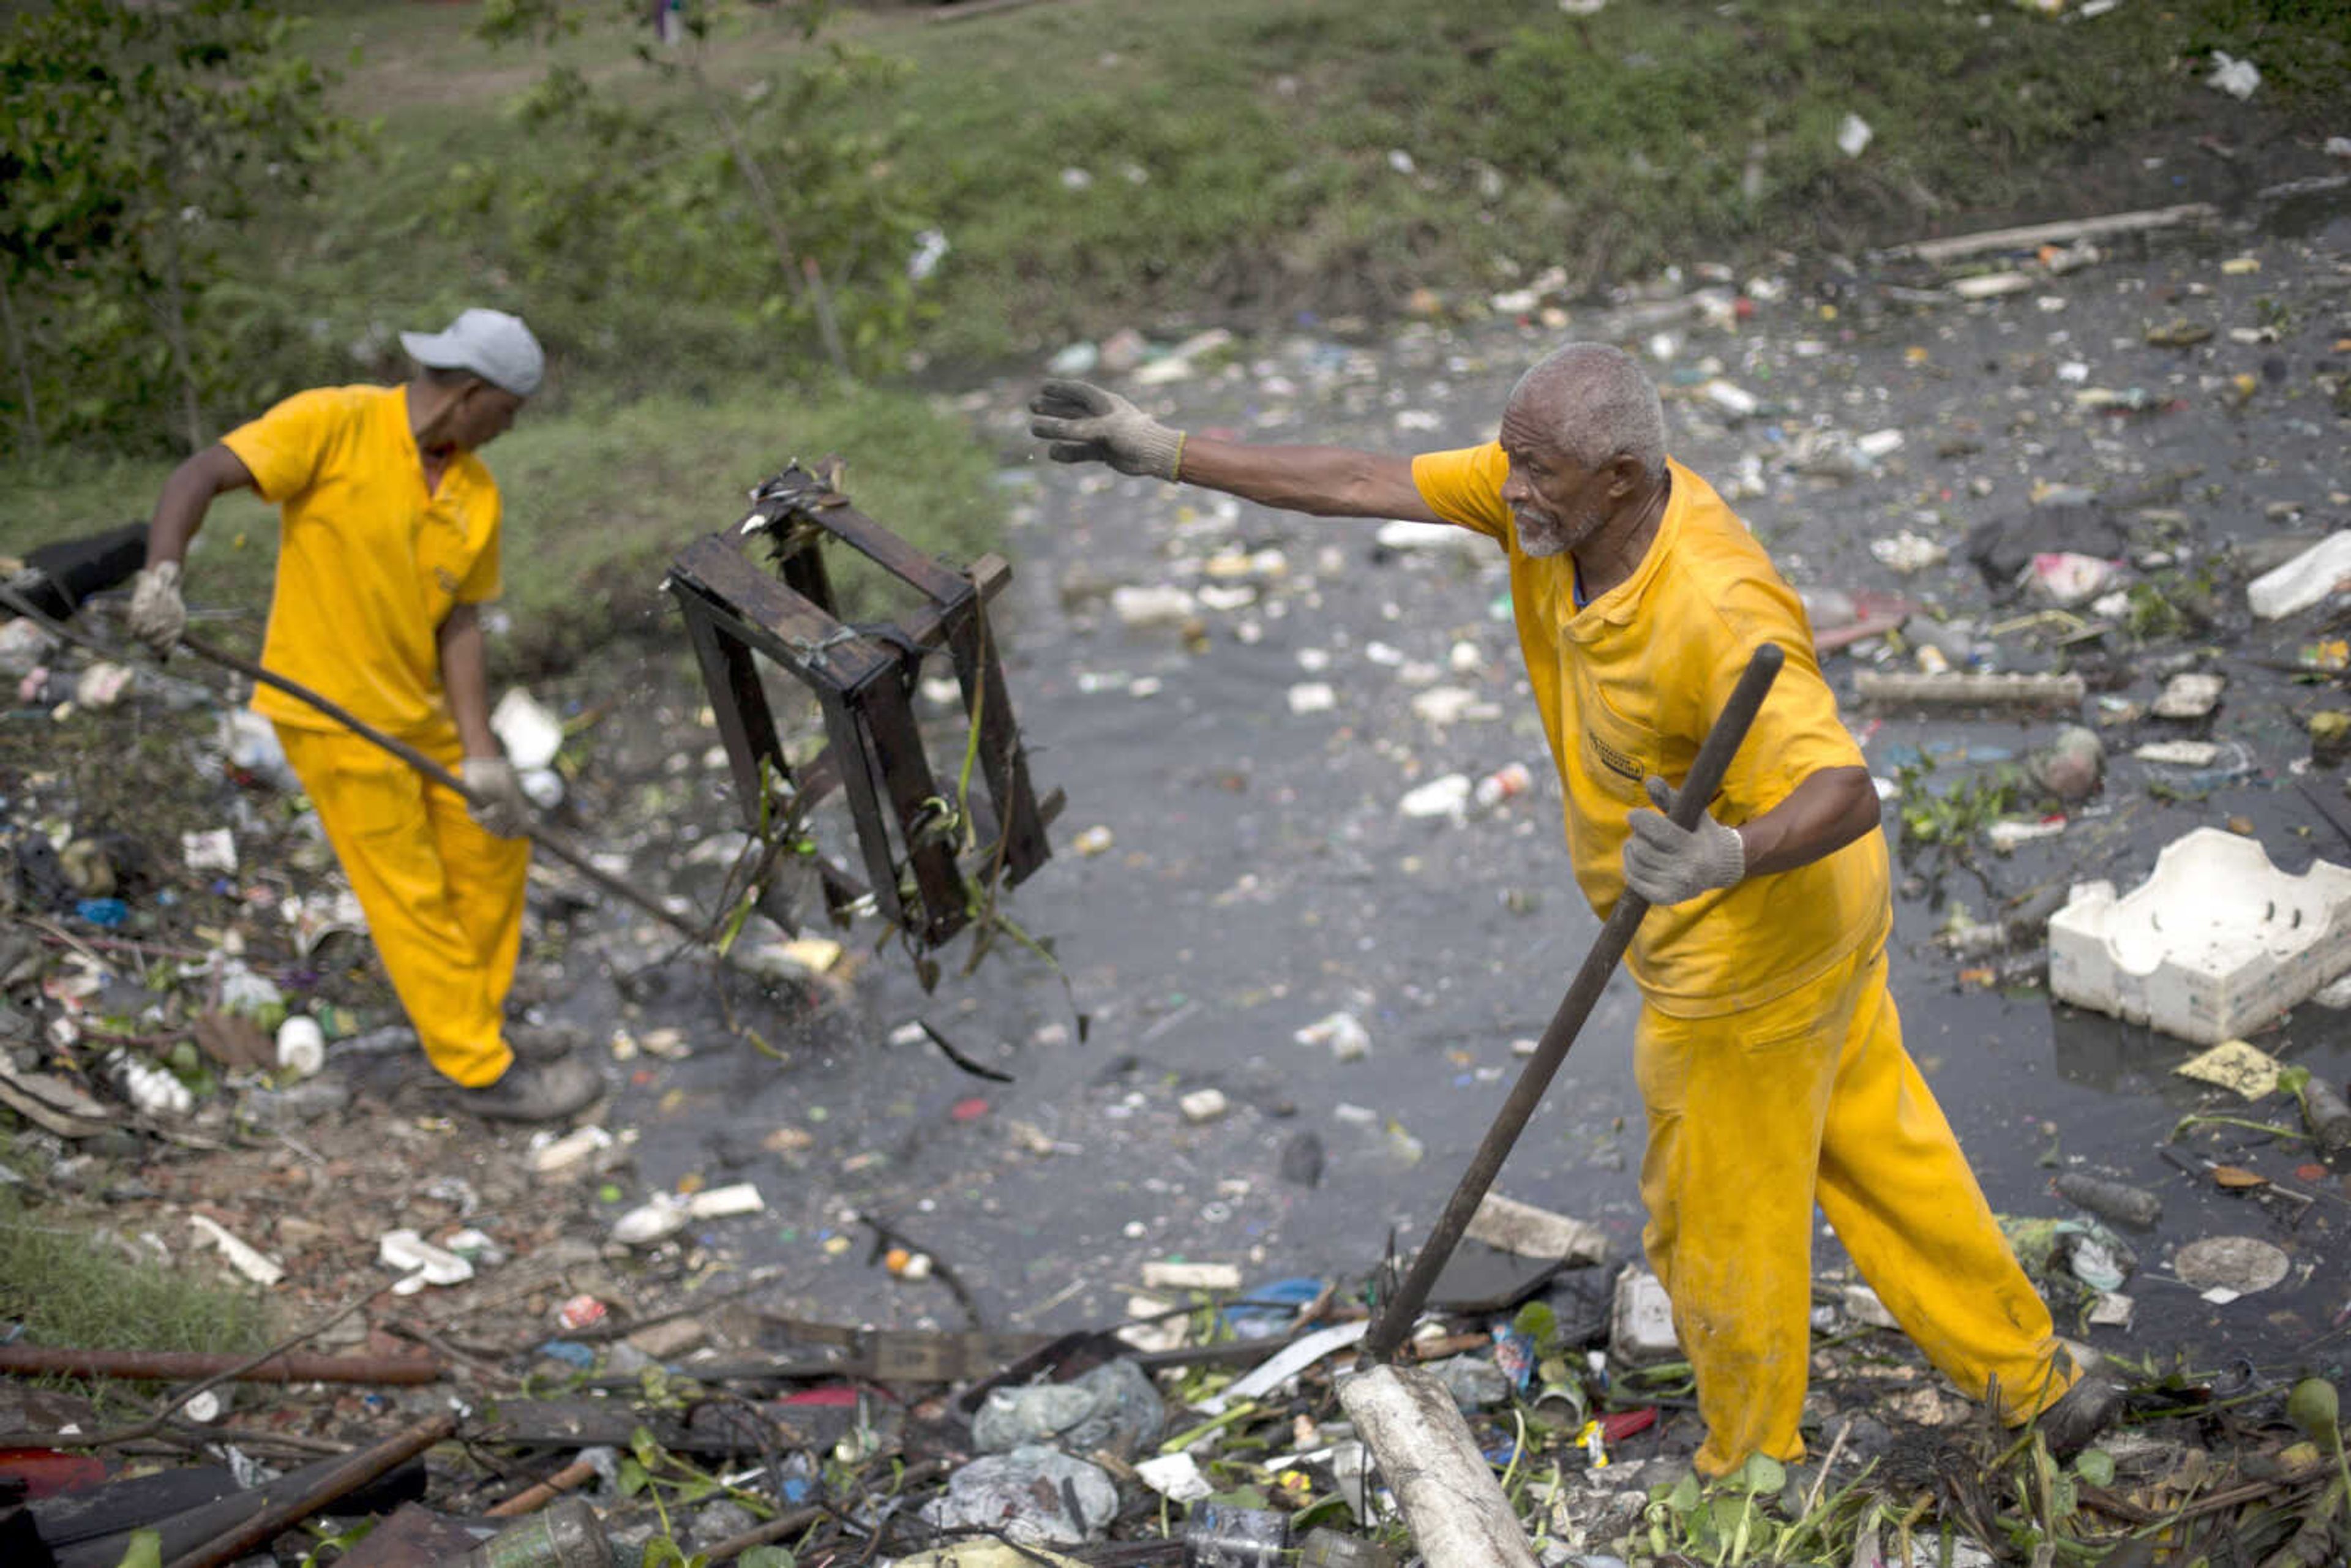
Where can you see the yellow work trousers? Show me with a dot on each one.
(1755, 1118)
(443, 898)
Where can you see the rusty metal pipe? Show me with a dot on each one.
(185, 1366)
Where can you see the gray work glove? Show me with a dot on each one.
(498, 806)
(157, 614)
(1087, 424)
(1665, 864)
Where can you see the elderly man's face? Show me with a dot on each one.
(1555, 503)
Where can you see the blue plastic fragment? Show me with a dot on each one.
(108, 913)
(569, 1352)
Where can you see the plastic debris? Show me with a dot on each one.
(2239, 79)
(1968, 688)
(2115, 1200)
(562, 1154)
(1445, 796)
(2065, 579)
(1204, 1105)
(2215, 941)
(1349, 1040)
(1312, 697)
(213, 849)
(1854, 135)
(1908, 552)
(1033, 1495)
(1175, 1476)
(1641, 1326)
(1160, 1274)
(1141, 608)
(301, 1046)
(579, 1312)
(2227, 1267)
(1530, 1232)
(2189, 696)
(424, 1263)
(2302, 582)
(151, 1088)
(1220, 1535)
(2237, 1065)
(1112, 1407)
(246, 1259)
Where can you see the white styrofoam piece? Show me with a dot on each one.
(1641, 1326)
(2303, 581)
(2215, 942)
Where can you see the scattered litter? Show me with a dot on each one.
(2239, 79)
(2115, 1200)
(2302, 582)
(1908, 552)
(2178, 753)
(1033, 1495)
(1862, 1305)
(1204, 1105)
(1141, 608)
(2227, 1267)
(1166, 1275)
(1175, 1476)
(1854, 135)
(423, 1263)
(1992, 285)
(1444, 797)
(213, 849)
(562, 1154)
(1312, 697)
(244, 1259)
(1641, 1325)
(2189, 696)
(301, 1045)
(1349, 1040)
(1531, 1232)
(1093, 841)
(2236, 1065)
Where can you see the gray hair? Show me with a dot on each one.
(1596, 403)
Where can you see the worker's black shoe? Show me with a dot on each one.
(2081, 1415)
(535, 1091)
(546, 1041)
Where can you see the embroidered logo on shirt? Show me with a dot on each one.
(447, 578)
(1614, 760)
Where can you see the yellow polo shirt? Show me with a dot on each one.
(1628, 687)
(370, 563)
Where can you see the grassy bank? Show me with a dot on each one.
(70, 1287)
(598, 497)
(1101, 162)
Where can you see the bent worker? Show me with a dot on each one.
(388, 548)
(1769, 1054)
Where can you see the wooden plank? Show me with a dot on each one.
(798, 635)
(907, 774)
(847, 735)
(739, 705)
(1003, 762)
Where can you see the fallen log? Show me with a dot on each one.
(177, 1367)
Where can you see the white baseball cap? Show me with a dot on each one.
(492, 344)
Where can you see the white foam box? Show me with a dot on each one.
(2216, 942)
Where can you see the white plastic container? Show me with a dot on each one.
(2215, 942)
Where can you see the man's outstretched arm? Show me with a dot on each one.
(1085, 424)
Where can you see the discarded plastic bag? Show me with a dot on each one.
(1112, 1407)
(1033, 1495)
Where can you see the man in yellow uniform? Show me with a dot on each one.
(1769, 1054)
(388, 548)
